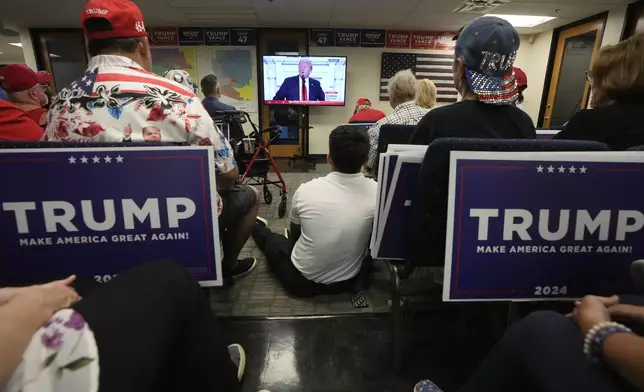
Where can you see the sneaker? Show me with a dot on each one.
(426, 386)
(244, 267)
(238, 356)
(262, 221)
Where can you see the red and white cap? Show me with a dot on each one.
(124, 19)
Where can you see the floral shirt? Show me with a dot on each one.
(61, 357)
(116, 100)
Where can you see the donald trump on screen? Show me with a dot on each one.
(301, 87)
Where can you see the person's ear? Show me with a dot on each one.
(145, 54)
(328, 159)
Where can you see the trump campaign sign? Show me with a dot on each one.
(94, 212)
(543, 225)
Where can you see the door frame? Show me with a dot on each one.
(556, 51)
(43, 61)
(263, 36)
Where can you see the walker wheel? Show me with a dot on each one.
(281, 210)
(268, 196)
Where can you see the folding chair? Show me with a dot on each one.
(427, 229)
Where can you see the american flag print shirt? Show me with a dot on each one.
(116, 100)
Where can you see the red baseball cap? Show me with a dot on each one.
(123, 19)
(19, 77)
(363, 101)
(520, 77)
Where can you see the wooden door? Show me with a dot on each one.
(569, 91)
(62, 53)
(281, 41)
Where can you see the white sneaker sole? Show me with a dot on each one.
(250, 270)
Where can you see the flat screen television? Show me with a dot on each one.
(304, 80)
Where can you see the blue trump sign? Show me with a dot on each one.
(94, 212)
(544, 225)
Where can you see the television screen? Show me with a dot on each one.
(306, 80)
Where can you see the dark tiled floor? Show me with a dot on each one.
(353, 353)
(259, 294)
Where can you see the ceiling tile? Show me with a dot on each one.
(550, 9)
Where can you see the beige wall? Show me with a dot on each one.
(363, 80)
(533, 60)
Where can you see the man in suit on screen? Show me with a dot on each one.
(301, 87)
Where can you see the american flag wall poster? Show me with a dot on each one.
(434, 66)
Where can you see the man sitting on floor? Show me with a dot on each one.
(331, 220)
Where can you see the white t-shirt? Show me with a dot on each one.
(335, 213)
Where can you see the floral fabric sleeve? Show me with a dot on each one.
(205, 133)
(61, 357)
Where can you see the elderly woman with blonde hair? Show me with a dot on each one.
(426, 94)
(616, 78)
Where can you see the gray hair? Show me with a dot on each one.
(402, 86)
(306, 60)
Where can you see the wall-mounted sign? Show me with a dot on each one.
(445, 41)
(422, 40)
(243, 36)
(398, 39)
(217, 36)
(164, 36)
(322, 37)
(191, 36)
(347, 37)
(372, 38)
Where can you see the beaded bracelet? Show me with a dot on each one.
(594, 340)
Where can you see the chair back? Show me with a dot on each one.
(636, 148)
(427, 230)
(392, 134)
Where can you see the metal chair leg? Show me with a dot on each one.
(397, 318)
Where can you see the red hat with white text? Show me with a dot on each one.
(363, 101)
(19, 77)
(119, 19)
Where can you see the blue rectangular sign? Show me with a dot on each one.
(544, 225)
(94, 212)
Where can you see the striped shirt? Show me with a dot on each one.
(117, 100)
(407, 113)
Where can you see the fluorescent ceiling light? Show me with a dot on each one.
(18, 44)
(524, 20)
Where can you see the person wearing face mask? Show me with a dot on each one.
(24, 88)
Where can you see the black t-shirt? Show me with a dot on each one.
(620, 125)
(474, 119)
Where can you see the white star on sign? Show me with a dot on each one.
(84, 159)
(108, 159)
(84, 78)
(572, 169)
(551, 169)
(562, 169)
(72, 160)
(96, 159)
(583, 170)
(539, 169)
(88, 83)
(119, 159)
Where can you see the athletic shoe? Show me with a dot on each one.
(244, 267)
(426, 386)
(238, 356)
(262, 221)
